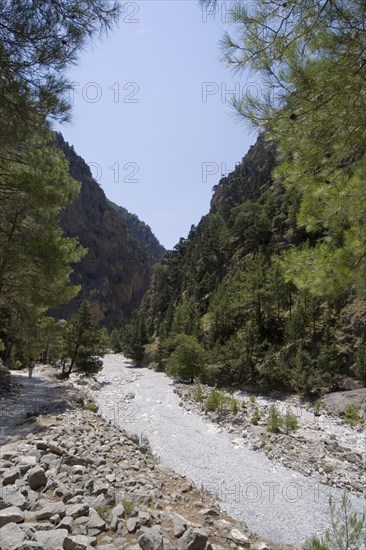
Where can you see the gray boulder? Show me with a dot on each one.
(12, 514)
(51, 540)
(11, 536)
(193, 539)
(37, 478)
(149, 539)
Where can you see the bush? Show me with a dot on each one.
(290, 422)
(275, 419)
(256, 417)
(360, 369)
(351, 415)
(213, 402)
(198, 393)
(91, 406)
(234, 405)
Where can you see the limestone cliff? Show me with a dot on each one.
(116, 271)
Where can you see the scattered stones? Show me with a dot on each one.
(149, 539)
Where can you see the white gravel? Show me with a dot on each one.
(275, 502)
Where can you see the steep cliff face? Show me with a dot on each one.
(116, 271)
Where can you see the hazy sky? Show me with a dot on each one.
(152, 114)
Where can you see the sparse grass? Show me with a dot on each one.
(253, 399)
(91, 406)
(243, 404)
(104, 511)
(128, 507)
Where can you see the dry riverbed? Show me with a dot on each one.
(324, 445)
(70, 480)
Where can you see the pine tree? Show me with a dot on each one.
(84, 343)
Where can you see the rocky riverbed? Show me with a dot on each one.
(324, 445)
(71, 480)
(276, 501)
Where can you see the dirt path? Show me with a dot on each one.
(34, 396)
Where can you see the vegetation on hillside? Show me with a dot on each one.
(271, 281)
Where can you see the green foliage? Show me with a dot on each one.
(128, 507)
(220, 402)
(352, 415)
(274, 420)
(91, 406)
(347, 531)
(213, 402)
(255, 417)
(38, 42)
(134, 339)
(84, 343)
(290, 422)
(198, 393)
(187, 359)
(360, 368)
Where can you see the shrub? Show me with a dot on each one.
(128, 507)
(91, 406)
(351, 415)
(360, 368)
(213, 402)
(290, 422)
(253, 399)
(275, 419)
(234, 405)
(198, 393)
(256, 417)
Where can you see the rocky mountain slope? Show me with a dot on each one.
(115, 273)
(228, 286)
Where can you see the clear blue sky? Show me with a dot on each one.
(152, 114)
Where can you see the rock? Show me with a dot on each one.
(50, 509)
(193, 539)
(66, 523)
(95, 523)
(143, 518)
(52, 540)
(79, 542)
(179, 526)
(10, 476)
(185, 487)
(77, 510)
(239, 538)
(31, 545)
(131, 525)
(13, 497)
(37, 478)
(149, 539)
(12, 514)
(260, 546)
(11, 536)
